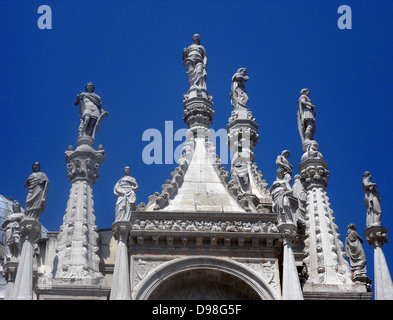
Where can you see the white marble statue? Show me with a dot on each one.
(371, 200)
(125, 189)
(282, 161)
(355, 253)
(195, 61)
(281, 191)
(90, 111)
(306, 116)
(238, 95)
(37, 184)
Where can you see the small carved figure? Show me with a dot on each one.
(306, 116)
(371, 200)
(125, 189)
(12, 233)
(238, 95)
(280, 191)
(282, 161)
(37, 184)
(355, 253)
(195, 61)
(90, 111)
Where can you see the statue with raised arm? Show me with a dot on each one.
(125, 190)
(37, 184)
(371, 200)
(195, 62)
(12, 233)
(90, 111)
(238, 95)
(355, 253)
(306, 116)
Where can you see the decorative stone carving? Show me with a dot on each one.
(306, 116)
(371, 200)
(12, 235)
(205, 225)
(158, 200)
(37, 184)
(238, 95)
(90, 111)
(355, 253)
(125, 190)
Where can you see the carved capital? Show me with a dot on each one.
(198, 112)
(376, 236)
(84, 163)
(314, 173)
(31, 229)
(121, 230)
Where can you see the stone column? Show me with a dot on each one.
(377, 236)
(78, 262)
(121, 286)
(23, 287)
(291, 288)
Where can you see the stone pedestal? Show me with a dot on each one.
(77, 271)
(9, 271)
(23, 286)
(291, 288)
(377, 236)
(121, 286)
(328, 271)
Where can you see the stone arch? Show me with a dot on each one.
(204, 268)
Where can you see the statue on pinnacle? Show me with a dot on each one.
(238, 95)
(195, 61)
(90, 111)
(306, 116)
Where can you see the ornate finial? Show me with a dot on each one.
(238, 95)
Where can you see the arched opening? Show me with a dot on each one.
(203, 278)
(203, 284)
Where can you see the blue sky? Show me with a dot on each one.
(132, 51)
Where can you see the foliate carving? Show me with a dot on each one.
(82, 169)
(205, 225)
(198, 113)
(315, 175)
(376, 236)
